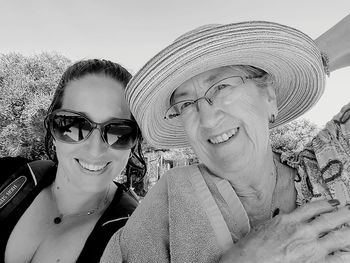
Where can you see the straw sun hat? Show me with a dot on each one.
(290, 56)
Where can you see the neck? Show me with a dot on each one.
(255, 183)
(72, 200)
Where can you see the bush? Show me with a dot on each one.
(26, 85)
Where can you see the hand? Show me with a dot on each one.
(314, 232)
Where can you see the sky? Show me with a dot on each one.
(130, 32)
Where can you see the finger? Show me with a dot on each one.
(335, 240)
(329, 221)
(314, 209)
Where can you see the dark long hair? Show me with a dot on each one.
(77, 71)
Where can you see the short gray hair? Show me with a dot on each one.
(264, 77)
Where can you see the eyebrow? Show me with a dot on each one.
(212, 78)
(209, 80)
(177, 95)
(110, 117)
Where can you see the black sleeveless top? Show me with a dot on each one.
(19, 189)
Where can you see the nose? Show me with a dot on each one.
(209, 114)
(95, 144)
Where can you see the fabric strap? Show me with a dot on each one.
(240, 216)
(20, 184)
(209, 205)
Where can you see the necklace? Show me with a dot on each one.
(59, 219)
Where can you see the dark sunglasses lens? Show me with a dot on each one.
(70, 127)
(120, 136)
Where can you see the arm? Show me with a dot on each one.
(336, 44)
(330, 165)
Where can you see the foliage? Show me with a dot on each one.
(293, 136)
(170, 154)
(181, 153)
(26, 87)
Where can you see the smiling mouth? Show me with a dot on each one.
(224, 137)
(92, 167)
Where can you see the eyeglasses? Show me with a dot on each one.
(217, 92)
(74, 127)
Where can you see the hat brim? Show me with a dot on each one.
(288, 55)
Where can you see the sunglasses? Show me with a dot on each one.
(74, 127)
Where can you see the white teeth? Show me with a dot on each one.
(224, 137)
(92, 167)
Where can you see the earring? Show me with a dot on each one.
(272, 118)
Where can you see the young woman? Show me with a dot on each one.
(67, 212)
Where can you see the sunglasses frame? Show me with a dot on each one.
(48, 122)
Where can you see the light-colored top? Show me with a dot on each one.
(191, 215)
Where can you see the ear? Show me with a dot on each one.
(271, 101)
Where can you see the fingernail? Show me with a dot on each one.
(334, 202)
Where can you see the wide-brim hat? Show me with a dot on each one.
(288, 55)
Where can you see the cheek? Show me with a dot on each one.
(119, 158)
(63, 150)
(252, 112)
(189, 126)
(193, 131)
(247, 107)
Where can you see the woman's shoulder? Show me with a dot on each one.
(172, 179)
(10, 164)
(175, 180)
(181, 172)
(123, 200)
(128, 201)
(24, 179)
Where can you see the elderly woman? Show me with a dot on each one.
(219, 89)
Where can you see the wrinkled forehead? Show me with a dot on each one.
(198, 85)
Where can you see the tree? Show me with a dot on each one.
(27, 85)
(293, 136)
